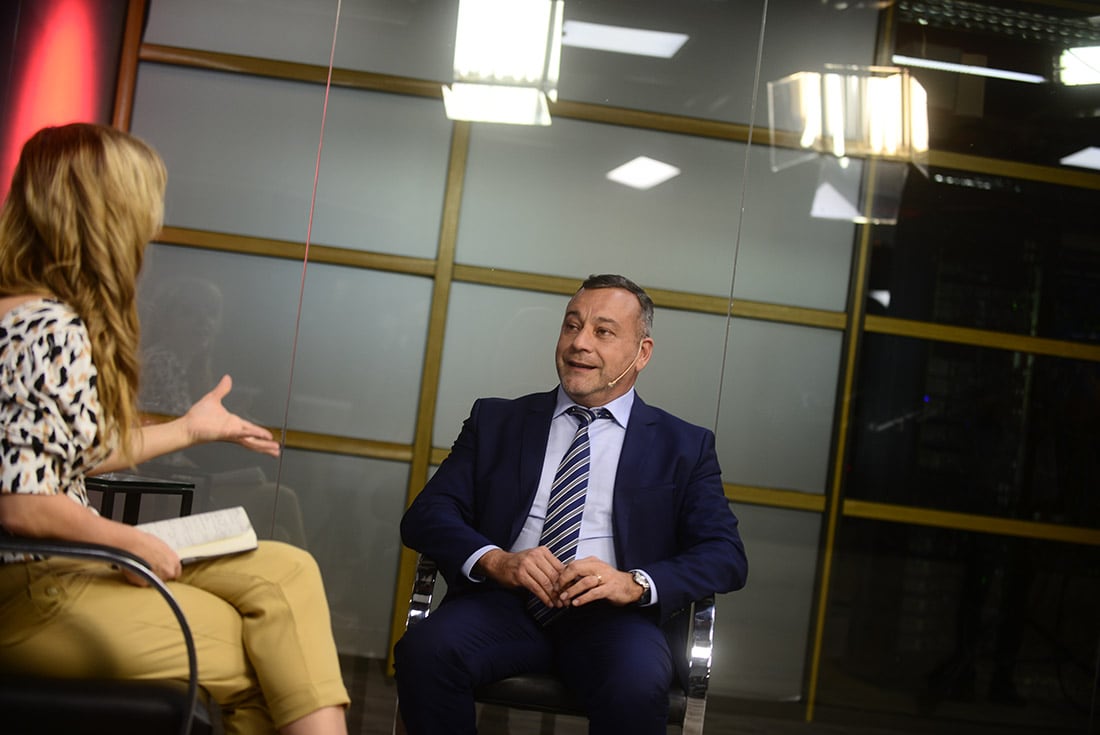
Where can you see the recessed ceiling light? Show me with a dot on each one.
(622, 40)
(1085, 158)
(831, 204)
(643, 173)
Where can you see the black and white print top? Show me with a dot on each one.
(48, 402)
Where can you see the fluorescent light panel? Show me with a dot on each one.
(494, 103)
(1080, 66)
(643, 173)
(982, 71)
(504, 41)
(507, 55)
(1085, 158)
(620, 40)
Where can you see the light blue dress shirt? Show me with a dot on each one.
(605, 438)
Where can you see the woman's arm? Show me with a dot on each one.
(206, 421)
(58, 517)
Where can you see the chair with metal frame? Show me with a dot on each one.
(38, 704)
(547, 694)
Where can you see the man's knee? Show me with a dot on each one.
(421, 653)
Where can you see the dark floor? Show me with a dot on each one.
(374, 697)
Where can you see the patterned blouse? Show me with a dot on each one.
(49, 406)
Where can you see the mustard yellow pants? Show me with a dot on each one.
(260, 621)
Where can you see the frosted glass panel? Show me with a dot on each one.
(537, 199)
(412, 39)
(777, 405)
(513, 335)
(205, 314)
(788, 256)
(761, 631)
(804, 36)
(383, 173)
(360, 353)
(712, 76)
(776, 409)
(238, 154)
(683, 375)
(241, 154)
(499, 342)
(351, 508)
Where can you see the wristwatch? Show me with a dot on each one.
(642, 581)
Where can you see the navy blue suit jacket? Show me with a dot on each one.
(670, 514)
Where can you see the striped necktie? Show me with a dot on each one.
(562, 528)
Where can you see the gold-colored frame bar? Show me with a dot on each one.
(680, 300)
(311, 441)
(290, 250)
(982, 338)
(971, 522)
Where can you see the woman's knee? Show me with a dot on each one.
(282, 561)
(280, 551)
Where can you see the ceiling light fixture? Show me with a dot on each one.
(852, 111)
(842, 115)
(643, 173)
(507, 56)
(617, 39)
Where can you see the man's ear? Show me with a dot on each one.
(645, 351)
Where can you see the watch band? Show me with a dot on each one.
(642, 581)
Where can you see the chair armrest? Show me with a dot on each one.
(420, 601)
(125, 560)
(700, 647)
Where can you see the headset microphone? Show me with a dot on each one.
(623, 375)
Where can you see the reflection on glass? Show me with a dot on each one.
(1020, 116)
(995, 253)
(968, 429)
(181, 323)
(1079, 65)
(761, 637)
(620, 40)
(962, 626)
(352, 510)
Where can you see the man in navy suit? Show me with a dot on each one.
(656, 534)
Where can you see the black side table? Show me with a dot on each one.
(133, 487)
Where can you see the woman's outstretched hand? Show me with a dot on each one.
(209, 421)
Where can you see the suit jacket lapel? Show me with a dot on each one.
(532, 451)
(633, 470)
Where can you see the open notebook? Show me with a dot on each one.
(204, 535)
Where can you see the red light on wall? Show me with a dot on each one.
(57, 77)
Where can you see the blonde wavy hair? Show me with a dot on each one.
(84, 201)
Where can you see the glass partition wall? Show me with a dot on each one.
(905, 414)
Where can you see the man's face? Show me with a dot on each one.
(601, 337)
